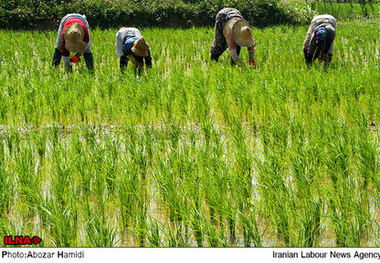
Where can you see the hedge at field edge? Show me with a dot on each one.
(46, 14)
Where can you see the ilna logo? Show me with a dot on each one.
(21, 240)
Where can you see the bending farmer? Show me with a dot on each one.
(73, 36)
(131, 46)
(232, 32)
(319, 42)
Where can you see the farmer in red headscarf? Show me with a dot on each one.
(73, 36)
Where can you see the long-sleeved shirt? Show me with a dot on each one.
(327, 21)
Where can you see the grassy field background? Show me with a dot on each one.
(192, 152)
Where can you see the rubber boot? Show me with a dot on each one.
(89, 58)
(56, 58)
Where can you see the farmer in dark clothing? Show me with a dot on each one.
(319, 42)
(131, 46)
(73, 36)
(232, 32)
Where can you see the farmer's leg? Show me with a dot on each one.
(56, 58)
(219, 44)
(238, 53)
(330, 49)
(310, 55)
(58, 49)
(317, 53)
(88, 57)
(123, 62)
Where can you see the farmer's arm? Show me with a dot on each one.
(119, 44)
(65, 53)
(328, 55)
(232, 47)
(310, 51)
(66, 58)
(66, 62)
(308, 38)
(79, 54)
(251, 54)
(331, 48)
(148, 60)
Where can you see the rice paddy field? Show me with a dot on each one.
(192, 153)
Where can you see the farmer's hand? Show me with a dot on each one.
(240, 63)
(66, 61)
(74, 59)
(326, 57)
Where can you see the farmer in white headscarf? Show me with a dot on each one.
(132, 46)
(232, 32)
(73, 36)
(319, 42)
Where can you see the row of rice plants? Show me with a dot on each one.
(167, 179)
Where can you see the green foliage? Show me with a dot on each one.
(46, 14)
(35, 14)
(346, 8)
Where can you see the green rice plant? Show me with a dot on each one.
(339, 217)
(215, 236)
(251, 232)
(136, 150)
(348, 9)
(58, 207)
(128, 185)
(13, 140)
(83, 165)
(111, 162)
(168, 184)
(276, 193)
(100, 232)
(309, 231)
(219, 197)
(154, 230)
(28, 177)
(338, 153)
(61, 181)
(140, 224)
(62, 221)
(7, 189)
(7, 183)
(366, 151)
(174, 235)
(215, 180)
(197, 224)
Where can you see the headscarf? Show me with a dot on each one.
(320, 35)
